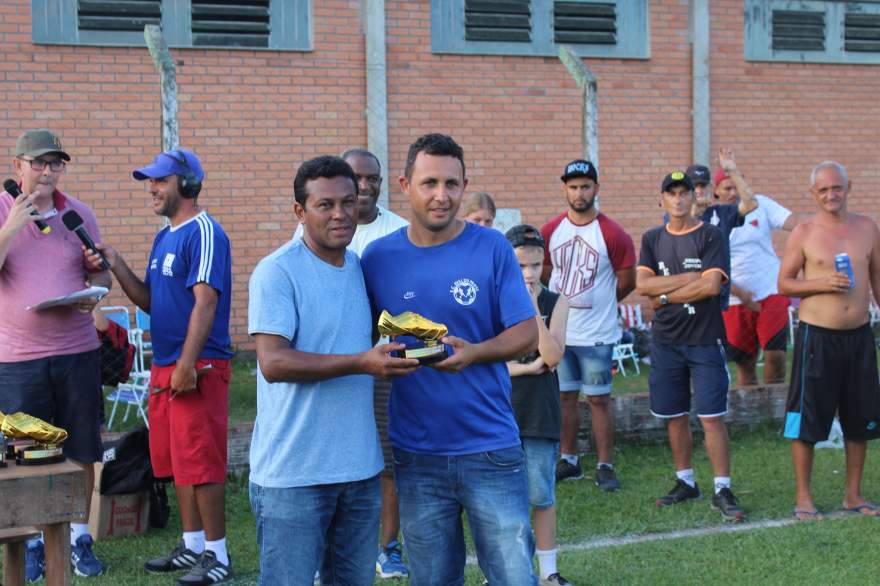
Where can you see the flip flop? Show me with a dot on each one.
(860, 510)
(805, 515)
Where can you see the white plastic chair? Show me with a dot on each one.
(622, 352)
(134, 392)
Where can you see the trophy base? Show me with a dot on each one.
(427, 353)
(39, 454)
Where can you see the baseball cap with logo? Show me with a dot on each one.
(580, 168)
(699, 174)
(676, 178)
(35, 143)
(525, 235)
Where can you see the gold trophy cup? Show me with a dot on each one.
(427, 348)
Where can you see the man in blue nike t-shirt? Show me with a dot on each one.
(455, 441)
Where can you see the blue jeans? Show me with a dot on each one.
(333, 526)
(541, 457)
(491, 488)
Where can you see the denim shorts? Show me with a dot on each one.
(62, 390)
(586, 369)
(541, 456)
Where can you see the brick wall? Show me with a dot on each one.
(253, 116)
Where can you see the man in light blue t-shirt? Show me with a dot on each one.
(455, 441)
(315, 456)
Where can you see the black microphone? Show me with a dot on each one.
(74, 222)
(14, 190)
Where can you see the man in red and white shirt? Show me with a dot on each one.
(591, 261)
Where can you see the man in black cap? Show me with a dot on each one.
(49, 365)
(724, 216)
(590, 260)
(681, 268)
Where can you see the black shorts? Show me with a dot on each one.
(381, 395)
(63, 390)
(678, 368)
(833, 371)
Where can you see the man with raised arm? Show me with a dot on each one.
(834, 369)
(758, 315)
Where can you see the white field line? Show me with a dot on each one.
(591, 544)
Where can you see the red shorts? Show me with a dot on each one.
(768, 327)
(188, 433)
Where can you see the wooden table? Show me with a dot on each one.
(47, 497)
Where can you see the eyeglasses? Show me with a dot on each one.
(40, 164)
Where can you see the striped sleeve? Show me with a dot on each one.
(208, 254)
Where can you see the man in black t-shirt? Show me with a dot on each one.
(681, 269)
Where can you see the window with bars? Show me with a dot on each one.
(595, 28)
(815, 31)
(252, 24)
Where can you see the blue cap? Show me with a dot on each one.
(171, 163)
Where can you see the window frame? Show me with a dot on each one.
(758, 31)
(633, 32)
(54, 22)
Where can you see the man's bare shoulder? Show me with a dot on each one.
(861, 222)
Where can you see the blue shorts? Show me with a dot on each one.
(541, 457)
(586, 369)
(675, 368)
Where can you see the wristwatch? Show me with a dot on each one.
(664, 299)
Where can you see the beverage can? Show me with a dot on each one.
(842, 264)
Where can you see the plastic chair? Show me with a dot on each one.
(134, 392)
(622, 352)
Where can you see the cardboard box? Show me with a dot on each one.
(117, 515)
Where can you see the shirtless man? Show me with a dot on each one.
(835, 364)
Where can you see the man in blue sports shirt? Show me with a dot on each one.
(187, 291)
(455, 441)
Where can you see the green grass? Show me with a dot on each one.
(839, 550)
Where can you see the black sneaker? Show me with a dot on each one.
(606, 479)
(179, 559)
(207, 571)
(681, 492)
(724, 501)
(567, 471)
(554, 580)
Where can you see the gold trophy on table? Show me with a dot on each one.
(427, 348)
(48, 438)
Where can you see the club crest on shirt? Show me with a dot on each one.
(464, 291)
(166, 265)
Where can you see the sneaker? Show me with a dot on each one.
(680, 493)
(567, 471)
(724, 501)
(606, 480)
(83, 559)
(207, 571)
(34, 560)
(179, 559)
(554, 580)
(390, 562)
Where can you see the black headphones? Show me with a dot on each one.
(188, 184)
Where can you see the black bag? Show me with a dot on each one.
(127, 466)
(117, 355)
